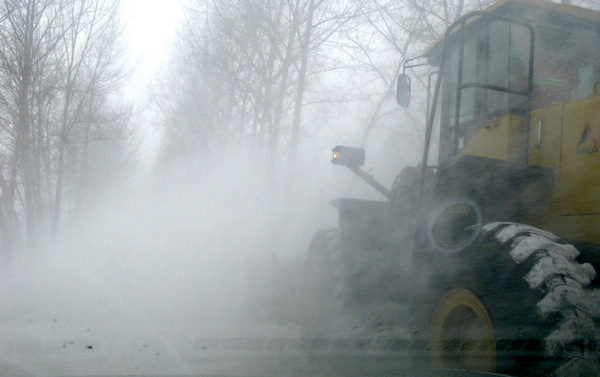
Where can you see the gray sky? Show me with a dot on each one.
(150, 27)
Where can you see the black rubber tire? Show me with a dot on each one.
(320, 301)
(519, 275)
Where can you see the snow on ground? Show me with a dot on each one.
(59, 318)
(143, 281)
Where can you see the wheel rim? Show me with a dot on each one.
(462, 334)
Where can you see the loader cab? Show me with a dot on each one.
(516, 105)
(498, 66)
(487, 82)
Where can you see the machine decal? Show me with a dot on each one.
(587, 143)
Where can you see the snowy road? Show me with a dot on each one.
(59, 319)
(191, 356)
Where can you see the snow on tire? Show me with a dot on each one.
(564, 284)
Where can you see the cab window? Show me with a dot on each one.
(495, 53)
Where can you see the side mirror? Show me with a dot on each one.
(403, 90)
(348, 156)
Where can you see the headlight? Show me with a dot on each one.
(348, 156)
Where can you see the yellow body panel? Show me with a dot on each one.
(580, 158)
(544, 144)
(501, 138)
(564, 137)
(545, 134)
(581, 228)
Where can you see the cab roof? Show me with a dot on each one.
(533, 11)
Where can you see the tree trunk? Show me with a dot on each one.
(295, 137)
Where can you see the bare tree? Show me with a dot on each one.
(58, 74)
(86, 54)
(404, 30)
(252, 61)
(28, 37)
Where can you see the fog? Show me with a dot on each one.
(173, 227)
(193, 264)
(190, 253)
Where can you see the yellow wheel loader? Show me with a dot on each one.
(487, 258)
